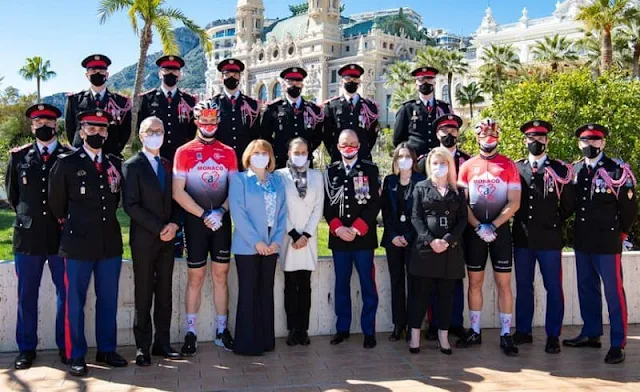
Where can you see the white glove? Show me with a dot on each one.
(627, 245)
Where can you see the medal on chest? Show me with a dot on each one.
(361, 188)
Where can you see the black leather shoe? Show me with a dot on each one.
(143, 358)
(398, 333)
(583, 341)
(470, 339)
(507, 345)
(339, 337)
(615, 355)
(414, 350)
(303, 338)
(167, 352)
(78, 367)
(458, 331)
(190, 345)
(553, 345)
(292, 339)
(369, 341)
(63, 357)
(522, 338)
(24, 360)
(112, 359)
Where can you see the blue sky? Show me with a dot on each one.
(65, 31)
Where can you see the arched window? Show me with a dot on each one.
(262, 93)
(277, 91)
(445, 93)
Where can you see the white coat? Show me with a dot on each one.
(303, 215)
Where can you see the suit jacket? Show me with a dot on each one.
(248, 211)
(149, 206)
(35, 231)
(414, 125)
(393, 207)
(435, 216)
(362, 118)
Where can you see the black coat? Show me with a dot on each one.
(237, 128)
(341, 207)
(539, 222)
(149, 207)
(414, 125)
(177, 117)
(87, 202)
(602, 217)
(35, 231)
(434, 217)
(394, 206)
(280, 124)
(339, 116)
(117, 105)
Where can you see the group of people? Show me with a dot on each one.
(204, 165)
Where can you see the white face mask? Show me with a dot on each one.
(405, 163)
(440, 170)
(259, 161)
(299, 160)
(153, 142)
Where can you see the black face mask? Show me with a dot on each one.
(351, 87)
(231, 83)
(425, 88)
(448, 140)
(45, 133)
(590, 151)
(170, 80)
(98, 79)
(536, 148)
(294, 91)
(95, 141)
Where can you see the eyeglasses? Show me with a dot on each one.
(154, 132)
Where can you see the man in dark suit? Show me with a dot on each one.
(97, 96)
(36, 233)
(154, 216)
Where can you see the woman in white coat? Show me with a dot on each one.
(299, 255)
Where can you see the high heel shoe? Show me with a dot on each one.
(445, 351)
(414, 350)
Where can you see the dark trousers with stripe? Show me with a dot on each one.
(343, 265)
(398, 260)
(550, 262)
(297, 299)
(29, 271)
(106, 276)
(593, 268)
(457, 309)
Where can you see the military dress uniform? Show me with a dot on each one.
(358, 113)
(284, 120)
(117, 105)
(36, 234)
(353, 200)
(85, 192)
(606, 208)
(174, 108)
(546, 201)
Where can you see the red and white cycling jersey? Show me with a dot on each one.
(488, 182)
(206, 168)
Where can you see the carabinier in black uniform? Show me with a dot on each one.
(606, 208)
(99, 97)
(172, 105)
(239, 114)
(292, 117)
(36, 233)
(415, 119)
(350, 111)
(546, 201)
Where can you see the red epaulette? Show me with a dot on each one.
(16, 149)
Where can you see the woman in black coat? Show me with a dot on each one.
(439, 216)
(398, 236)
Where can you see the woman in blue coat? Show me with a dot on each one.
(257, 206)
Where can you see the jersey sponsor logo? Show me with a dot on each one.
(487, 190)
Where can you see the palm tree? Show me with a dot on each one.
(556, 51)
(38, 69)
(499, 62)
(631, 33)
(401, 95)
(430, 56)
(470, 94)
(453, 63)
(145, 17)
(590, 49)
(603, 16)
(398, 74)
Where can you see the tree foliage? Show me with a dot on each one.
(39, 69)
(500, 64)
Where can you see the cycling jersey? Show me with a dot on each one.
(206, 168)
(488, 181)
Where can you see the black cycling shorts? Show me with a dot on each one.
(202, 242)
(501, 250)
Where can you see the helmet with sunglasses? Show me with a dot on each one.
(488, 124)
(204, 106)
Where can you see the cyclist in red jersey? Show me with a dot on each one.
(201, 186)
(492, 184)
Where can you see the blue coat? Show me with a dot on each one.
(248, 211)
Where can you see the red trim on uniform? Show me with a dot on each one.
(361, 226)
(294, 76)
(170, 63)
(95, 119)
(537, 130)
(621, 296)
(334, 225)
(43, 113)
(624, 236)
(429, 74)
(448, 122)
(351, 72)
(231, 67)
(592, 133)
(67, 323)
(96, 64)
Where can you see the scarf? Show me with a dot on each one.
(299, 175)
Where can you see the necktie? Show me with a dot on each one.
(428, 106)
(45, 153)
(160, 173)
(534, 166)
(233, 101)
(296, 109)
(97, 99)
(351, 103)
(97, 164)
(169, 98)
(347, 168)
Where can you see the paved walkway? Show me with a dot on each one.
(349, 367)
